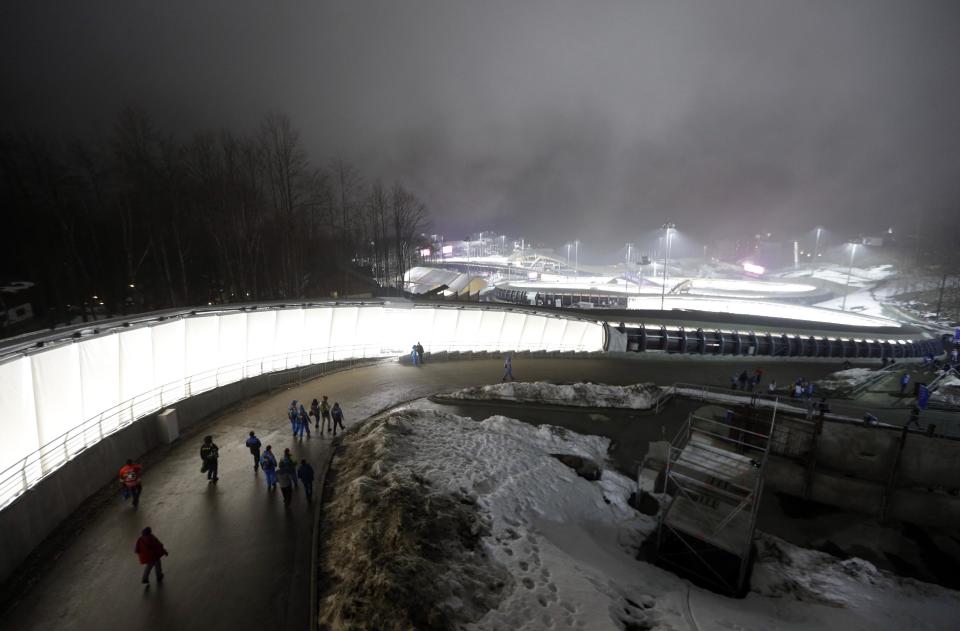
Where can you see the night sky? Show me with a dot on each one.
(552, 120)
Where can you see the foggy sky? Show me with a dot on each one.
(551, 120)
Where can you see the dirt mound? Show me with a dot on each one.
(398, 554)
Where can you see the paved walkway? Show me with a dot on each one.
(238, 559)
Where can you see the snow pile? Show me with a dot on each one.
(786, 571)
(439, 521)
(640, 396)
(845, 380)
(947, 392)
(553, 547)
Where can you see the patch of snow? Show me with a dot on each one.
(846, 379)
(947, 392)
(760, 308)
(639, 396)
(863, 301)
(855, 587)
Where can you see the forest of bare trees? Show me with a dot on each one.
(145, 221)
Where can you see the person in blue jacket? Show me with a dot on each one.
(303, 423)
(268, 462)
(904, 380)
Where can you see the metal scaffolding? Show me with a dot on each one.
(715, 477)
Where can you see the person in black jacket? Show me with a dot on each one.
(209, 454)
(305, 473)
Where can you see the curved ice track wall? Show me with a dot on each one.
(68, 393)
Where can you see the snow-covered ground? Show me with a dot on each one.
(947, 392)
(863, 301)
(704, 286)
(846, 379)
(639, 396)
(559, 551)
(760, 308)
(859, 276)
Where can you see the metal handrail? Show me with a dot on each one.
(30, 469)
(47, 458)
(739, 429)
(879, 375)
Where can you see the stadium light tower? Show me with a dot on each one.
(853, 251)
(576, 256)
(816, 247)
(668, 230)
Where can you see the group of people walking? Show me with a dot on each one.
(748, 382)
(326, 418)
(283, 472)
(416, 354)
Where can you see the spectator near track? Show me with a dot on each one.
(337, 414)
(306, 475)
(268, 462)
(325, 415)
(209, 456)
(130, 477)
(253, 444)
(150, 551)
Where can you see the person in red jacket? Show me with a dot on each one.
(130, 475)
(150, 551)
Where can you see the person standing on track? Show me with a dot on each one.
(209, 456)
(507, 368)
(253, 444)
(150, 551)
(268, 462)
(419, 353)
(337, 414)
(130, 476)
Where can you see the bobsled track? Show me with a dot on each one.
(76, 402)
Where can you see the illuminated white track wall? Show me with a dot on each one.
(59, 400)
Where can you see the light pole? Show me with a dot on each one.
(796, 254)
(846, 288)
(568, 256)
(576, 256)
(626, 268)
(816, 247)
(668, 229)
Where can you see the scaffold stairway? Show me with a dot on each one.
(714, 476)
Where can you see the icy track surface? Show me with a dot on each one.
(570, 545)
(641, 396)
